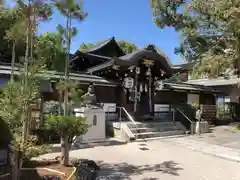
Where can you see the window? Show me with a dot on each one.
(94, 120)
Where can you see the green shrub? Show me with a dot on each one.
(238, 127)
(65, 125)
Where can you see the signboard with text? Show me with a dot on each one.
(148, 62)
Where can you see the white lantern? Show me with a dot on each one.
(128, 82)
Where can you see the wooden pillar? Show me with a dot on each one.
(41, 109)
(137, 71)
(150, 93)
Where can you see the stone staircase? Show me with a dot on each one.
(146, 130)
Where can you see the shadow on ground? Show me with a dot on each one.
(125, 171)
(27, 175)
(85, 145)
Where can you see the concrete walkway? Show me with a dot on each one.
(165, 159)
(227, 136)
(220, 151)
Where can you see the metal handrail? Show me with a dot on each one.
(128, 115)
(191, 122)
(185, 115)
(133, 121)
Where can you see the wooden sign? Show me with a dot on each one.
(208, 113)
(148, 62)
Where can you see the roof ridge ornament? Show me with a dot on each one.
(151, 47)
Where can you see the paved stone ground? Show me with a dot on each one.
(226, 136)
(223, 141)
(159, 159)
(231, 154)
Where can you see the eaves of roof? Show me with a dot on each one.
(102, 45)
(52, 75)
(133, 59)
(189, 87)
(215, 82)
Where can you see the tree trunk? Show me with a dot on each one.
(64, 151)
(13, 62)
(16, 164)
(60, 100)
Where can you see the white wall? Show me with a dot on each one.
(95, 131)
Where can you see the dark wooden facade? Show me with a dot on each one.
(107, 66)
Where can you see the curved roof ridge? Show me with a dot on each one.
(100, 45)
(160, 52)
(103, 44)
(146, 50)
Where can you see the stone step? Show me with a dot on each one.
(141, 130)
(156, 129)
(158, 134)
(149, 124)
(146, 135)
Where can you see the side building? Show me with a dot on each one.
(228, 103)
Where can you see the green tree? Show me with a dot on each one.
(86, 46)
(66, 127)
(17, 97)
(71, 10)
(16, 35)
(34, 12)
(208, 29)
(127, 47)
(10, 15)
(49, 48)
(12, 98)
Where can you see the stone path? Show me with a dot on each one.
(227, 153)
(226, 136)
(165, 159)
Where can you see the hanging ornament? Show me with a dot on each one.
(141, 88)
(146, 88)
(128, 82)
(137, 70)
(159, 85)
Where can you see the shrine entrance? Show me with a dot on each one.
(137, 101)
(139, 84)
(136, 74)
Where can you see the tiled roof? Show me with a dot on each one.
(84, 78)
(215, 82)
(188, 87)
(100, 45)
(104, 44)
(134, 57)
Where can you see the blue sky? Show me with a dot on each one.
(129, 20)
